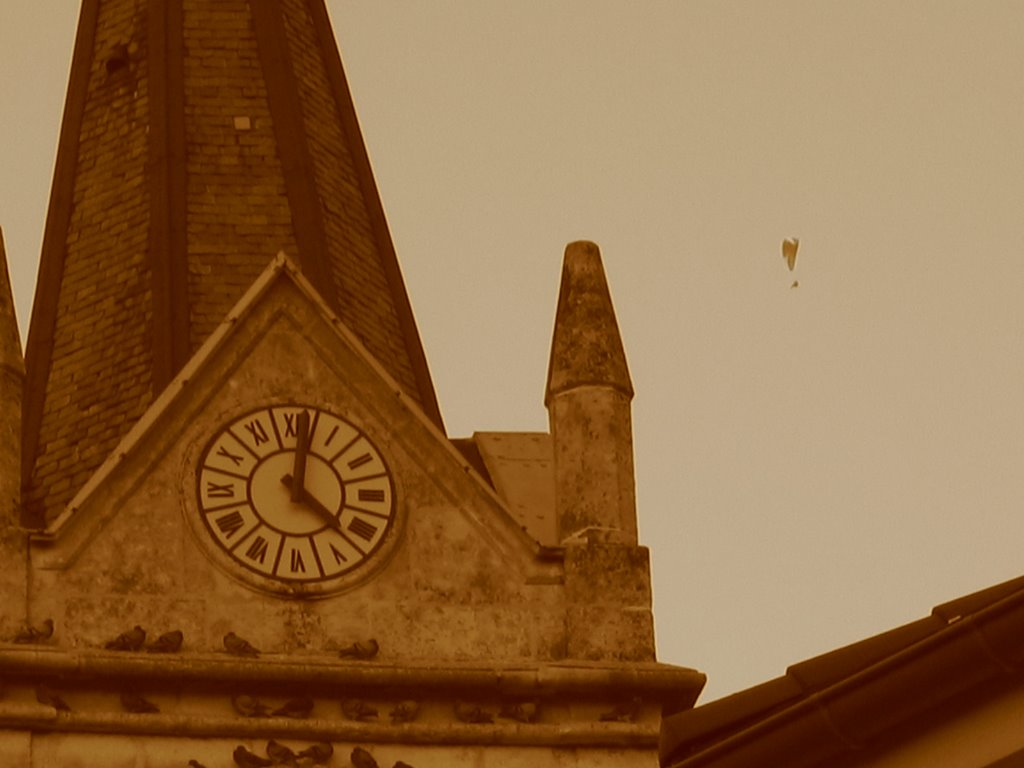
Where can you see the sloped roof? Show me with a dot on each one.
(832, 706)
(199, 139)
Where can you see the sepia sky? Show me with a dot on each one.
(815, 464)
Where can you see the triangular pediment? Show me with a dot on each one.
(178, 507)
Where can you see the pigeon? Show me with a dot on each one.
(195, 764)
(319, 753)
(45, 695)
(298, 708)
(400, 764)
(131, 640)
(249, 706)
(363, 759)
(524, 711)
(32, 634)
(238, 646)
(132, 702)
(363, 651)
(468, 712)
(246, 759)
(789, 247)
(357, 709)
(280, 754)
(405, 711)
(169, 642)
(623, 712)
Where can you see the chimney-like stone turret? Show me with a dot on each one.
(588, 399)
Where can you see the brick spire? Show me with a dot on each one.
(200, 137)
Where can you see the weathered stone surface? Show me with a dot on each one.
(586, 348)
(595, 492)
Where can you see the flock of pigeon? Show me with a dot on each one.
(279, 754)
(134, 640)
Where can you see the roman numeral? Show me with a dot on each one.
(297, 564)
(258, 433)
(257, 550)
(359, 461)
(339, 558)
(236, 460)
(362, 529)
(290, 430)
(220, 491)
(371, 494)
(230, 523)
(331, 436)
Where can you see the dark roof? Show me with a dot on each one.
(199, 140)
(837, 704)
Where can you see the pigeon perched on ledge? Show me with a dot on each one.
(281, 754)
(623, 712)
(238, 646)
(131, 640)
(246, 759)
(319, 753)
(363, 759)
(38, 634)
(299, 708)
(249, 706)
(405, 711)
(469, 712)
(169, 642)
(46, 695)
(357, 709)
(132, 702)
(363, 650)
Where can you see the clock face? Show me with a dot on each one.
(295, 493)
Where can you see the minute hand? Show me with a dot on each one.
(298, 487)
(305, 497)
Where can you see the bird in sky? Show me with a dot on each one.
(131, 640)
(363, 650)
(38, 634)
(789, 247)
(238, 646)
(169, 642)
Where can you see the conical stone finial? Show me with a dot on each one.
(588, 400)
(586, 348)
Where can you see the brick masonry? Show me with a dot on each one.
(97, 377)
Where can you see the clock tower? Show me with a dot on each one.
(240, 532)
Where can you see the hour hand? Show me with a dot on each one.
(311, 502)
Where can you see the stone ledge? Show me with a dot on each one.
(667, 683)
(622, 735)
